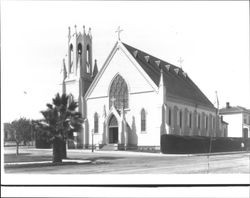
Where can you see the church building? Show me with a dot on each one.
(134, 98)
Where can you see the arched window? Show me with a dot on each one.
(206, 122)
(198, 121)
(88, 59)
(71, 58)
(113, 122)
(79, 54)
(96, 123)
(143, 120)
(118, 94)
(169, 116)
(180, 118)
(213, 122)
(190, 120)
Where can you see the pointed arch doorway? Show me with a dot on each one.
(113, 130)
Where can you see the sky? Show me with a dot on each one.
(211, 37)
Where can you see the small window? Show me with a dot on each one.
(143, 120)
(96, 123)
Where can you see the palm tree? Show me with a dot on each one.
(61, 119)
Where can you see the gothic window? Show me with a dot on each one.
(88, 59)
(206, 122)
(113, 122)
(190, 120)
(169, 116)
(118, 94)
(180, 118)
(143, 120)
(96, 123)
(71, 58)
(213, 122)
(79, 53)
(198, 121)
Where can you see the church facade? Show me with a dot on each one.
(134, 98)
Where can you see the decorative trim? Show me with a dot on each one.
(184, 74)
(168, 67)
(158, 62)
(147, 58)
(135, 53)
(177, 70)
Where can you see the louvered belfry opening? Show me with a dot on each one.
(118, 95)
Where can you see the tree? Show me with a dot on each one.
(21, 131)
(60, 120)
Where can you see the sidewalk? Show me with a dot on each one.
(140, 153)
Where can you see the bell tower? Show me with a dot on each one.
(77, 66)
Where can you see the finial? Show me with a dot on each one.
(69, 35)
(119, 30)
(89, 33)
(84, 29)
(76, 29)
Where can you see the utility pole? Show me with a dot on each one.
(92, 140)
(209, 151)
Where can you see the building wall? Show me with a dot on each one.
(187, 109)
(235, 124)
(142, 95)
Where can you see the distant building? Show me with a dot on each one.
(238, 119)
(135, 97)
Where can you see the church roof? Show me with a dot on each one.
(175, 79)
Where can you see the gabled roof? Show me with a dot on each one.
(233, 110)
(175, 79)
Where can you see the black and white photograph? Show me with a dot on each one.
(125, 93)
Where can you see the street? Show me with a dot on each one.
(121, 162)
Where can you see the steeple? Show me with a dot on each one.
(161, 89)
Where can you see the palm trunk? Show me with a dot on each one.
(57, 150)
(64, 149)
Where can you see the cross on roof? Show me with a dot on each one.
(118, 31)
(180, 60)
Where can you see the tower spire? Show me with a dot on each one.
(76, 30)
(83, 30)
(69, 33)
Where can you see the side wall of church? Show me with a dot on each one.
(191, 124)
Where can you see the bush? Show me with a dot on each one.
(201, 144)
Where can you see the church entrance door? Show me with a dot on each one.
(113, 130)
(113, 135)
